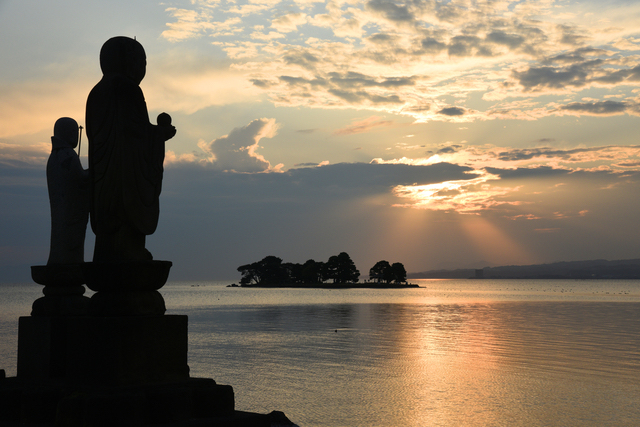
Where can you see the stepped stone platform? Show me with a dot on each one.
(60, 403)
(114, 359)
(194, 402)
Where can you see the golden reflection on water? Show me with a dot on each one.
(464, 364)
(447, 369)
(521, 364)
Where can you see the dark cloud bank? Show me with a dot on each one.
(213, 221)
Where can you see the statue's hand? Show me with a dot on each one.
(167, 131)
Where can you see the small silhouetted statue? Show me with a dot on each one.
(126, 153)
(68, 186)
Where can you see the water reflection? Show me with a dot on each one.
(455, 353)
(503, 363)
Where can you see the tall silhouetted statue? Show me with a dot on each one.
(126, 153)
(80, 359)
(68, 186)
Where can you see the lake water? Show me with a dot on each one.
(452, 353)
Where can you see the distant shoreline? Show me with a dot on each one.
(581, 270)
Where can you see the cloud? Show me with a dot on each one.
(449, 149)
(511, 40)
(604, 155)
(301, 57)
(452, 111)
(363, 126)
(578, 74)
(342, 19)
(237, 151)
(340, 181)
(468, 196)
(188, 24)
(352, 79)
(536, 78)
(391, 11)
(570, 35)
(261, 83)
(341, 82)
(628, 75)
(468, 46)
(353, 88)
(289, 22)
(430, 45)
(20, 155)
(311, 164)
(528, 173)
(600, 108)
(361, 97)
(206, 211)
(635, 164)
(523, 193)
(535, 160)
(499, 49)
(575, 56)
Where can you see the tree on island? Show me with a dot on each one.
(399, 273)
(271, 271)
(382, 271)
(268, 271)
(341, 269)
(312, 272)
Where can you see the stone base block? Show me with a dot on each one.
(103, 350)
(192, 402)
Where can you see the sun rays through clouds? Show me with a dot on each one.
(466, 197)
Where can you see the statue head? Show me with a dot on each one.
(65, 133)
(123, 55)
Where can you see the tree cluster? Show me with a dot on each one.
(271, 271)
(339, 269)
(388, 273)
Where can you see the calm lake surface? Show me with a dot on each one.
(452, 353)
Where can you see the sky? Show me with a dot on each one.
(438, 134)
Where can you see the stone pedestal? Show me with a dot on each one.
(112, 360)
(63, 290)
(119, 336)
(126, 288)
(103, 350)
(192, 402)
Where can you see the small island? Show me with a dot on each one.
(339, 272)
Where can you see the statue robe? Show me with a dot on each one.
(68, 186)
(126, 157)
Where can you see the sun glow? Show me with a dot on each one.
(462, 196)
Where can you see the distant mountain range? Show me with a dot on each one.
(595, 269)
